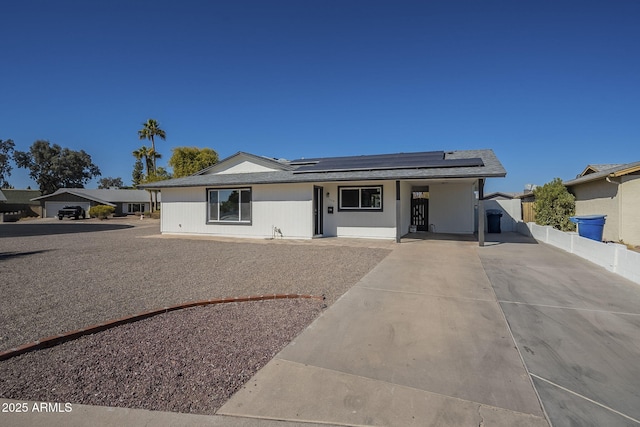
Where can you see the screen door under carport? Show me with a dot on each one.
(420, 210)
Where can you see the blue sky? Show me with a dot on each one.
(550, 86)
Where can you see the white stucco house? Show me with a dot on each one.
(373, 196)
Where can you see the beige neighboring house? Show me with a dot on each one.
(612, 190)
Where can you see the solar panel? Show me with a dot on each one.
(430, 159)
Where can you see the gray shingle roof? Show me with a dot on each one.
(603, 167)
(603, 173)
(106, 196)
(491, 167)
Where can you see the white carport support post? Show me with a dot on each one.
(398, 214)
(481, 212)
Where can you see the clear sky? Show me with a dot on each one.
(550, 86)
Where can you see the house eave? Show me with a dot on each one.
(243, 179)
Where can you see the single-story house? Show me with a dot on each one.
(612, 190)
(374, 196)
(18, 204)
(126, 202)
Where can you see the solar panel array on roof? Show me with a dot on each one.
(429, 159)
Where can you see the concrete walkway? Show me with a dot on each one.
(420, 340)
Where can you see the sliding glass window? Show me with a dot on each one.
(360, 198)
(229, 205)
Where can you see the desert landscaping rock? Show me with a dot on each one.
(188, 361)
(54, 283)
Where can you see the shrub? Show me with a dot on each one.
(554, 205)
(152, 215)
(101, 211)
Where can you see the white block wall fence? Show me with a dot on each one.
(612, 256)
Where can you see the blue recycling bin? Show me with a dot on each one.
(590, 226)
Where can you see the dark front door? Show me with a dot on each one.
(420, 213)
(317, 210)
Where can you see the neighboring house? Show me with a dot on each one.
(126, 202)
(376, 196)
(2, 197)
(612, 190)
(18, 204)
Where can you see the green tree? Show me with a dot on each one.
(138, 172)
(149, 131)
(53, 167)
(109, 182)
(189, 160)
(148, 155)
(6, 152)
(554, 205)
(159, 175)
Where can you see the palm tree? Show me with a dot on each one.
(143, 153)
(150, 130)
(148, 156)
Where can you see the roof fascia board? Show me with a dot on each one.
(318, 177)
(625, 171)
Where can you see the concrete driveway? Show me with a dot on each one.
(577, 327)
(446, 333)
(420, 340)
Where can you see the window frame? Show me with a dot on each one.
(131, 205)
(360, 208)
(240, 191)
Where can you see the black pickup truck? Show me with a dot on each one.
(71, 211)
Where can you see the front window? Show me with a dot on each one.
(229, 205)
(136, 207)
(360, 198)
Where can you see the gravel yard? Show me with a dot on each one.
(53, 283)
(56, 277)
(188, 361)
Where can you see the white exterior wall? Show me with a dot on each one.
(369, 224)
(511, 213)
(629, 208)
(451, 208)
(288, 207)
